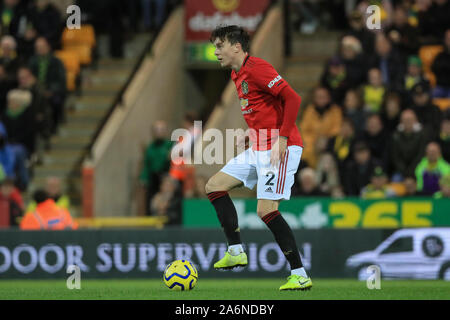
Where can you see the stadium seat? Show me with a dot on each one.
(84, 36)
(427, 55)
(399, 188)
(81, 41)
(83, 52)
(442, 103)
(71, 62)
(431, 78)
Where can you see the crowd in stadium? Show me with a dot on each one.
(36, 77)
(375, 128)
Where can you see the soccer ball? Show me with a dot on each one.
(180, 275)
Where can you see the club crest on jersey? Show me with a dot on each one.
(244, 103)
(244, 87)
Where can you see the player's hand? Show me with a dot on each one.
(278, 151)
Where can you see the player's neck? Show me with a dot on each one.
(239, 61)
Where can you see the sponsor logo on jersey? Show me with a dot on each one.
(272, 83)
(244, 103)
(247, 111)
(244, 87)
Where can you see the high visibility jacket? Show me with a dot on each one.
(48, 216)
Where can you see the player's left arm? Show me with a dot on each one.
(291, 103)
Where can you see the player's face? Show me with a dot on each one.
(224, 52)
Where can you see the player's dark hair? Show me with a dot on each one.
(234, 34)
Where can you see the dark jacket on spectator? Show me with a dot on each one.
(357, 176)
(430, 116)
(395, 68)
(18, 13)
(22, 128)
(55, 79)
(409, 39)
(47, 23)
(356, 71)
(444, 142)
(407, 150)
(434, 21)
(441, 68)
(378, 146)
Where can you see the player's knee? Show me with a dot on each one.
(261, 213)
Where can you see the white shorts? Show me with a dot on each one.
(253, 167)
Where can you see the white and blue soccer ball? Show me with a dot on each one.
(180, 275)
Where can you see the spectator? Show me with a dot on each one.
(327, 174)
(12, 195)
(334, 79)
(351, 55)
(13, 160)
(431, 169)
(7, 156)
(8, 56)
(408, 144)
(354, 111)
(378, 187)
(433, 19)
(51, 76)
(410, 184)
(153, 19)
(377, 139)
(53, 188)
(45, 20)
(373, 92)
(404, 37)
(20, 120)
(359, 31)
(444, 183)
(156, 161)
(414, 74)
(428, 114)
(308, 186)
(11, 11)
(390, 112)
(341, 145)
(441, 69)
(358, 171)
(168, 201)
(47, 215)
(444, 139)
(388, 61)
(6, 84)
(27, 81)
(320, 119)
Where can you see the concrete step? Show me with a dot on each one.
(94, 100)
(88, 112)
(318, 44)
(76, 132)
(70, 139)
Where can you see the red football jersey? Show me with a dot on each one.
(259, 85)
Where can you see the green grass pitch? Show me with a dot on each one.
(222, 289)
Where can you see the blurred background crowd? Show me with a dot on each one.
(41, 63)
(377, 125)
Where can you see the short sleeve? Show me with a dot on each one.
(267, 79)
